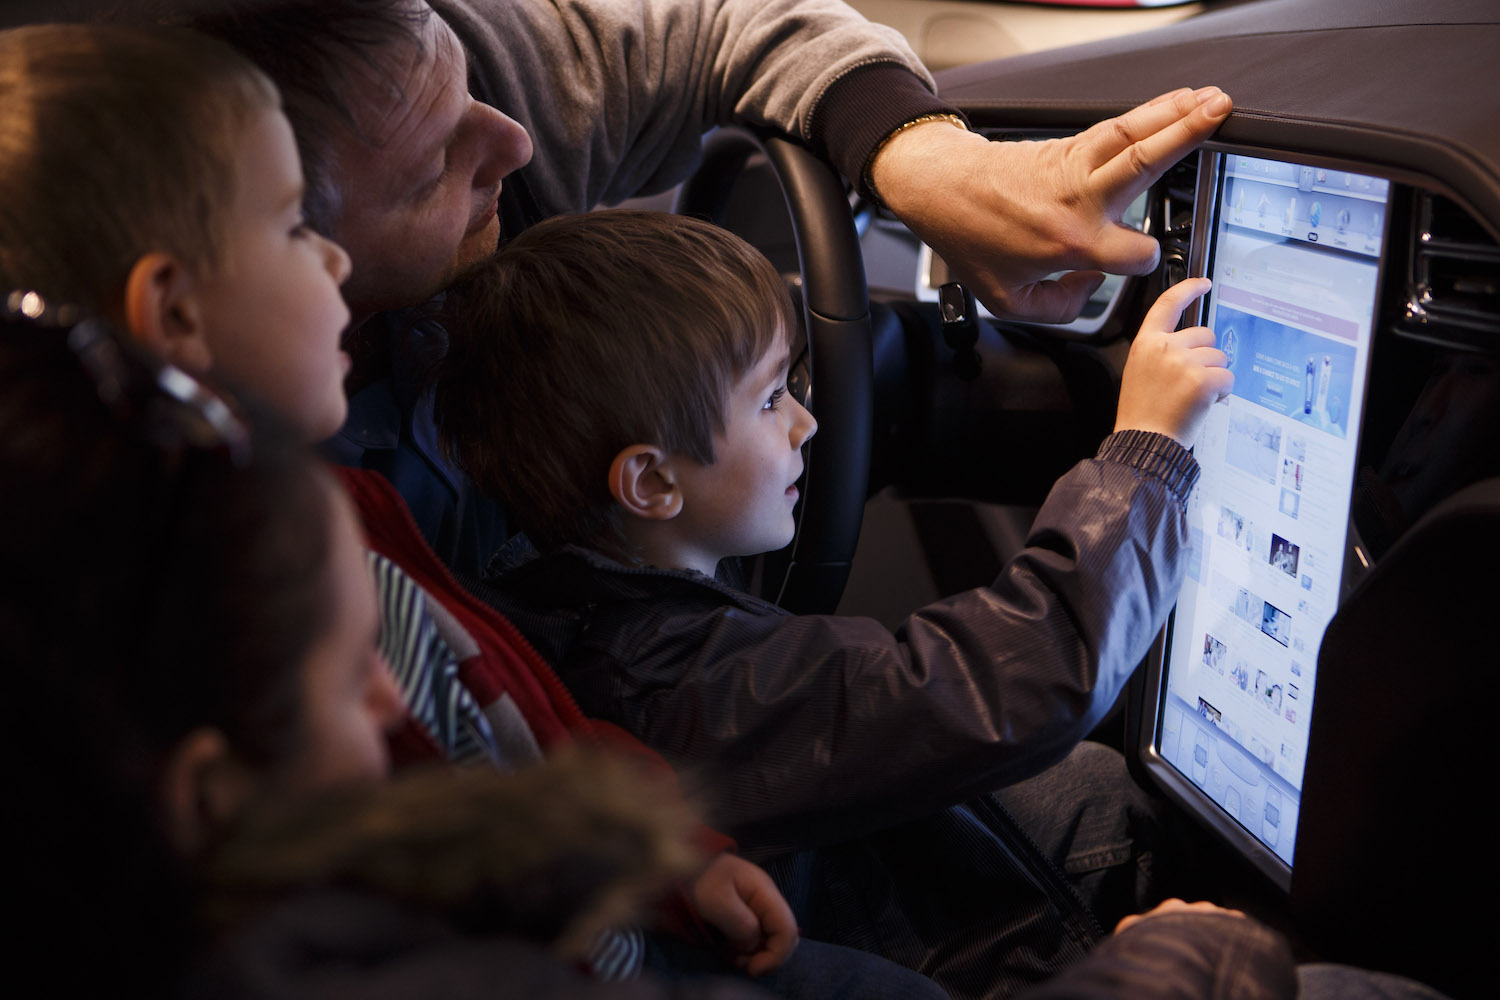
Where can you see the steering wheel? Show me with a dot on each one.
(836, 310)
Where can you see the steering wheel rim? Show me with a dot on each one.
(836, 310)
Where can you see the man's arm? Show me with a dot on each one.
(616, 93)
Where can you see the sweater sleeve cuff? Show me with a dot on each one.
(861, 108)
(1156, 455)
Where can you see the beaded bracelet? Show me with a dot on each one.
(866, 176)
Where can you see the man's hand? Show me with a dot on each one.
(1174, 906)
(740, 901)
(1172, 376)
(1004, 215)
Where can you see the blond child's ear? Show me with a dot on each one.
(641, 480)
(161, 311)
(203, 787)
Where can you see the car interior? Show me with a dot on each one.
(1348, 213)
(1347, 525)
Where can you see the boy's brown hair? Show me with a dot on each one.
(116, 142)
(591, 333)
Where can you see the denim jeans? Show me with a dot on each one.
(1095, 823)
(992, 896)
(815, 971)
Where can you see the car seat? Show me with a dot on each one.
(1392, 867)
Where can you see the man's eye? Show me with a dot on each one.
(432, 184)
(774, 400)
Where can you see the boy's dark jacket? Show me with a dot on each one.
(806, 730)
(878, 749)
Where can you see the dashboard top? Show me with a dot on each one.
(1408, 86)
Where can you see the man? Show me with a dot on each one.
(616, 96)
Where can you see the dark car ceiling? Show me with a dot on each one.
(1410, 85)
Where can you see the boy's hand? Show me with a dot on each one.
(740, 901)
(1172, 376)
(1174, 906)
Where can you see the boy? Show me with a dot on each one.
(642, 437)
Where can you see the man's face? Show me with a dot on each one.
(421, 184)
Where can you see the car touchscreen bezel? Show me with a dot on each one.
(1175, 785)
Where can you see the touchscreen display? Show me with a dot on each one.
(1295, 260)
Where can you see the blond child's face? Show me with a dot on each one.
(742, 503)
(272, 311)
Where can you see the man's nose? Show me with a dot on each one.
(504, 145)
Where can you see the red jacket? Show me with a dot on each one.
(505, 663)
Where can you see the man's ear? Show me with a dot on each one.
(203, 787)
(641, 480)
(163, 313)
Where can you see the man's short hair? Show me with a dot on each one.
(308, 48)
(590, 333)
(116, 142)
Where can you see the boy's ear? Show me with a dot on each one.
(202, 788)
(162, 311)
(641, 480)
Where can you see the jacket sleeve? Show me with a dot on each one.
(616, 93)
(809, 729)
(1181, 957)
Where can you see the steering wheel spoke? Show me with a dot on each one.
(809, 576)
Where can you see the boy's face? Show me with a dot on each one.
(272, 312)
(742, 503)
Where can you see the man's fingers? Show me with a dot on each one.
(1103, 142)
(1160, 136)
(1078, 286)
(1057, 300)
(1176, 906)
(1168, 96)
(1119, 249)
(1166, 311)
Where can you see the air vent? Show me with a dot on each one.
(1454, 291)
(1179, 187)
(1170, 217)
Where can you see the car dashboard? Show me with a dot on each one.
(1367, 104)
(1382, 114)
